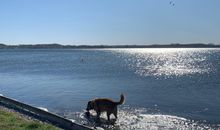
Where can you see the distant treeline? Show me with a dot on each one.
(59, 46)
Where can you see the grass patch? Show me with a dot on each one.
(12, 121)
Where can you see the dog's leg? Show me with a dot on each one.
(115, 113)
(108, 115)
(98, 121)
(98, 114)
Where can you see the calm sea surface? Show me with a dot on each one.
(164, 88)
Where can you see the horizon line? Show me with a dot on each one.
(194, 43)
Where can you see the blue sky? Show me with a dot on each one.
(109, 21)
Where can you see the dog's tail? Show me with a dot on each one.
(122, 100)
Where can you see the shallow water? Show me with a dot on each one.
(164, 88)
(138, 119)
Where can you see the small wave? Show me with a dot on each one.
(43, 108)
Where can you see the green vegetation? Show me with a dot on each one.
(12, 121)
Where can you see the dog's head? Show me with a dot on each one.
(90, 105)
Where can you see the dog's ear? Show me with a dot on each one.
(92, 104)
(89, 103)
(89, 106)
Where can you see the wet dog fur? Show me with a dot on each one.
(105, 105)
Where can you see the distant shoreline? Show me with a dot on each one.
(59, 46)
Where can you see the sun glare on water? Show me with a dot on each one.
(137, 119)
(165, 61)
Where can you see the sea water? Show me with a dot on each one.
(165, 88)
